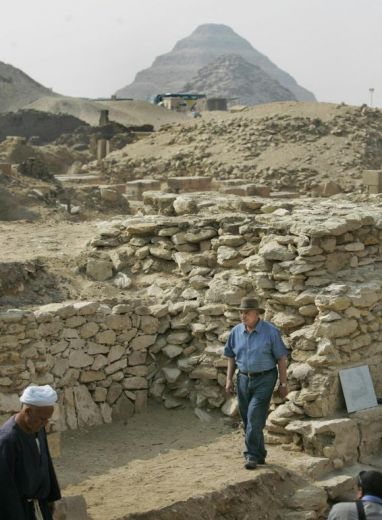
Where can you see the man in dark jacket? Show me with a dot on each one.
(28, 483)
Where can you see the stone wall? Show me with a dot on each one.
(317, 271)
(94, 354)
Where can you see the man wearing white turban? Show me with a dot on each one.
(28, 483)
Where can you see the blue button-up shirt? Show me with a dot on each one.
(255, 351)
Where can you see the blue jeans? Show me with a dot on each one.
(254, 395)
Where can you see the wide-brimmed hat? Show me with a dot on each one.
(248, 304)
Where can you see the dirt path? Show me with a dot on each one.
(158, 458)
(20, 241)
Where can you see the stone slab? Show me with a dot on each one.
(358, 388)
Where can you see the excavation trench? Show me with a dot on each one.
(167, 464)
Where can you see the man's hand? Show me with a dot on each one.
(229, 386)
(283, 391)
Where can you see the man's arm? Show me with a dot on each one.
(282, 366)
(229, 387)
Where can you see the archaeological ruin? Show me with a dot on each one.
(133, 321)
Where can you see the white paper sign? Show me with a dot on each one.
(358, 388)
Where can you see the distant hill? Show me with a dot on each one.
(171, 71)
(233, 77)
(17, 89)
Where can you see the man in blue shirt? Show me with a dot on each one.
(255, 347)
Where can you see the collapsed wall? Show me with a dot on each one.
(317, 271)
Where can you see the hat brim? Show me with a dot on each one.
(258, 309)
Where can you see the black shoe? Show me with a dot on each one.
(261, 462)
(250, 463)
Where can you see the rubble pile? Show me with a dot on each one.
(292, 147)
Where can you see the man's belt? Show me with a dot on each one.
(256, 374)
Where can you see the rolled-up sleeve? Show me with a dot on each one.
(279, 349)
(228, 349)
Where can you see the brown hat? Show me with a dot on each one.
(248, 304)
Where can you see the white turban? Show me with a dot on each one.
(39, 395)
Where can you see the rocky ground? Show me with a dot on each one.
(169, 456)
(187, 468)
(285, 145)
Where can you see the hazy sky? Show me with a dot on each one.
(94, 47)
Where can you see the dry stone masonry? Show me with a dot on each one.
(317, 271)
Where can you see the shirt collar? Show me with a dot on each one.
(257, 329)
(372, 498)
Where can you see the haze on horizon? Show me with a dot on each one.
(91, 48)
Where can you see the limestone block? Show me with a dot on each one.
(172, 351)
(54, 443)
(287, 320)
(337, 487)
(140, 404)
(365, 295)
(90, 376)
(86, 308)
(70, 408)
(135, 383)
(157, 389)
(106, 413)
(99, 270)
(137, 358)
(308, 310)
(149, 324)
(230, 407)
(122, 281)
(88, 330)
(100, 394)
(70, 377)
(212, 309)
(106, 337)
(200, 234)
(309, 498)
(78, 359)
(74, 321)
(183, 261)
(71, 508)
(9, 403)
(171, 374)
(188, 364)
(171, 402)
(272, 250)
(118, 321)
(70, 333)
(95, 348)
(332, 438)
(60, 367)
(204, 372)
(122, 409)
(337, 329)
(184, 205)
(335, 302)
(50, 329)
(88, 413)
(227, 256)
(183, 320)
(139, 370)
(115, 367)
(114, 392)
(370, 425)
(179, 338)
(116, 352)
(143, 342)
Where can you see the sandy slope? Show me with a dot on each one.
(125, 112)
